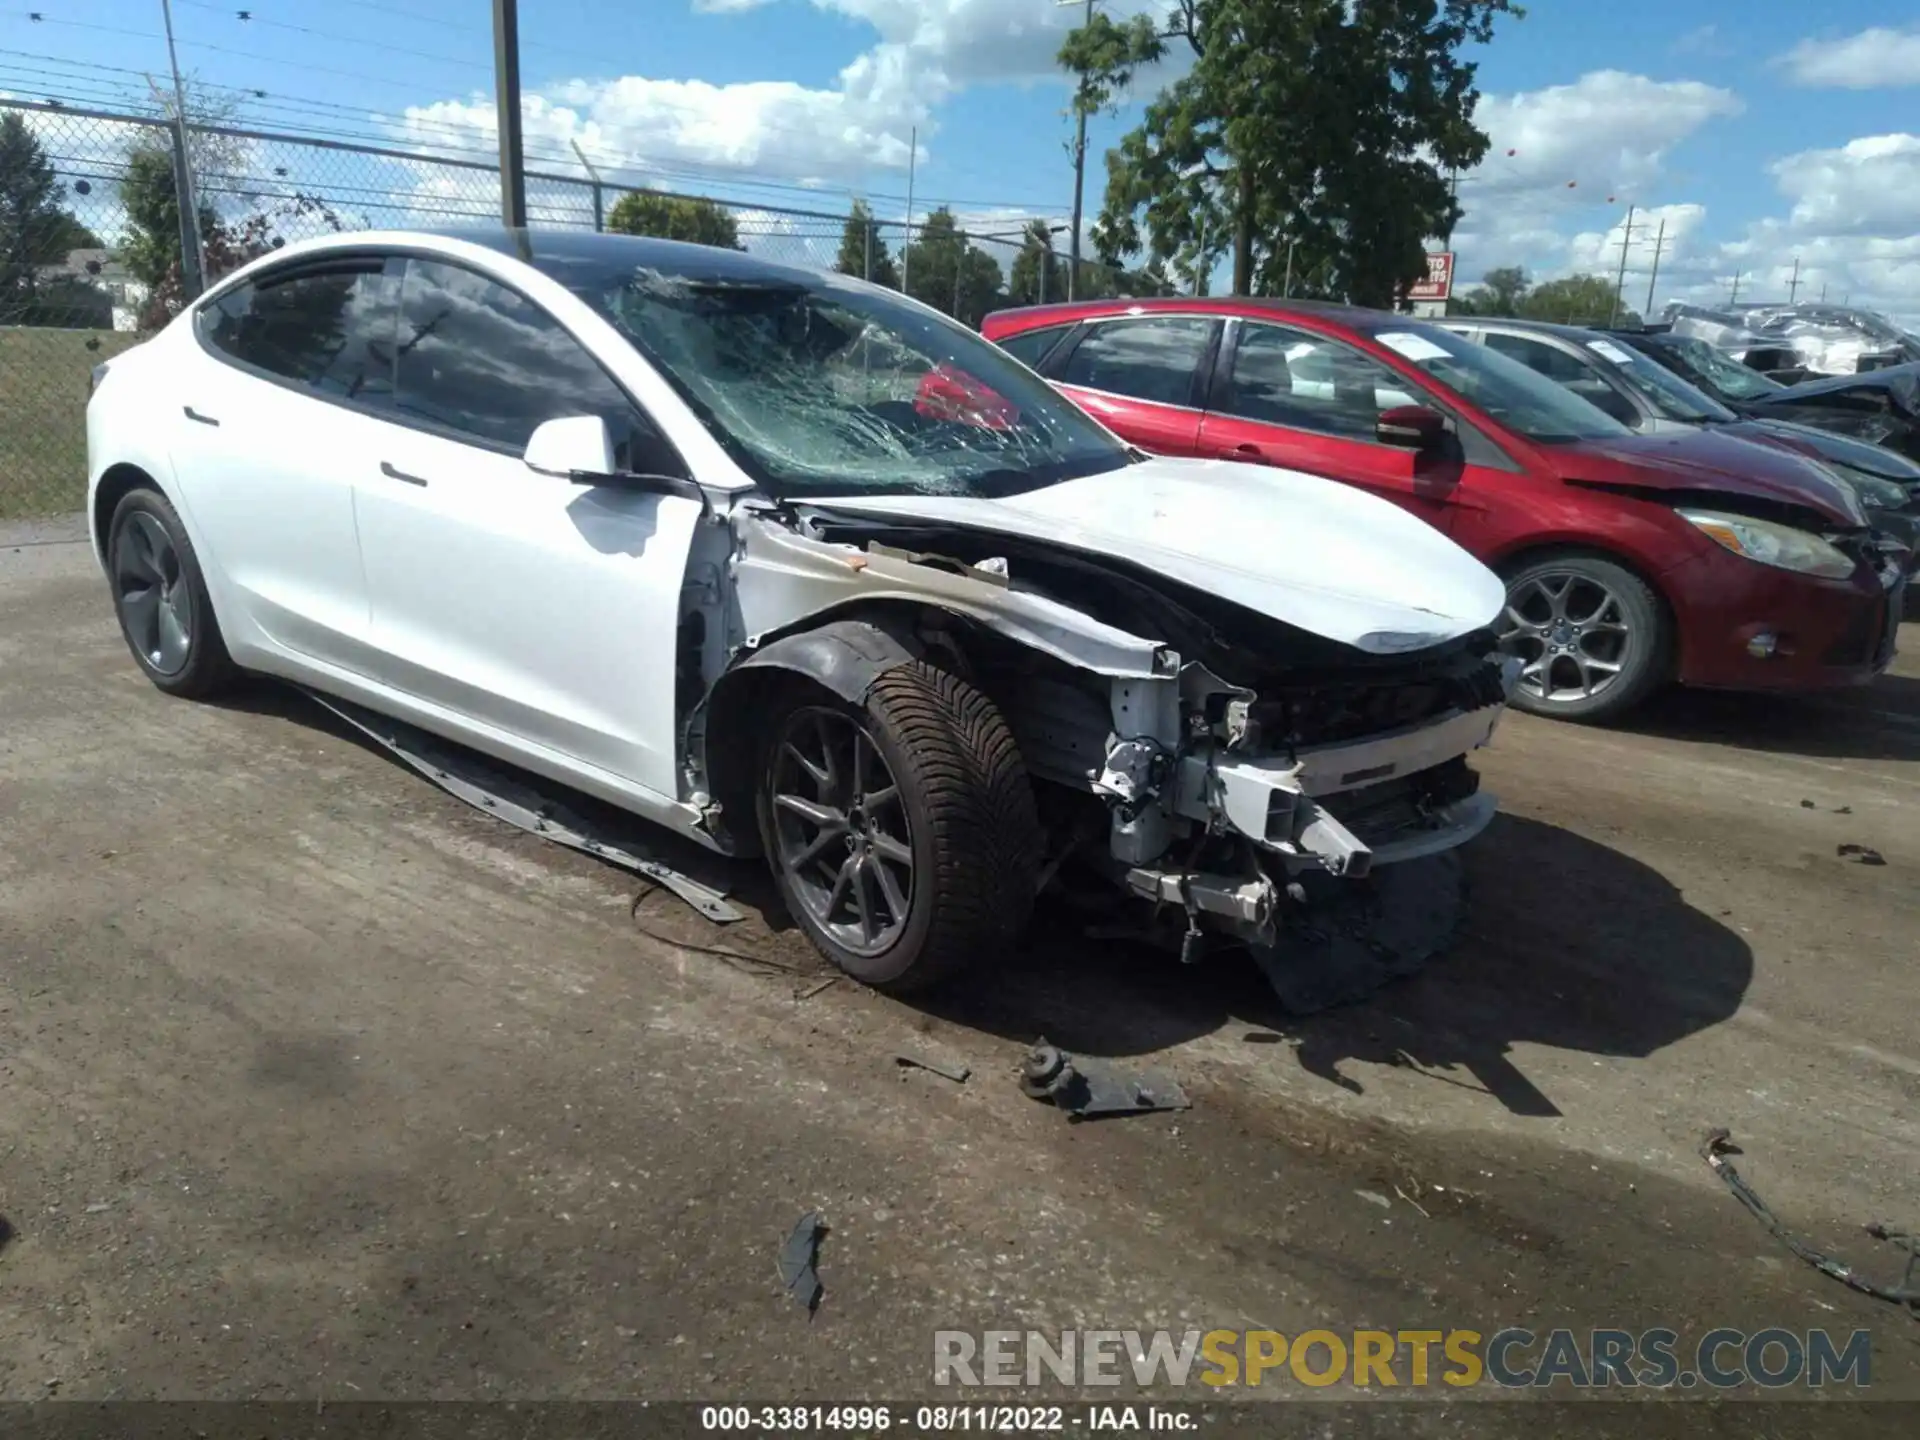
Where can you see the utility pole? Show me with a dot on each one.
(906, 245)
(599, 197)
(1793, 287)
(1079, 166)
(1659, 244)
(192, 259)
(1619, 285)
(506, 79)
(1733, 295)
(1823, 292)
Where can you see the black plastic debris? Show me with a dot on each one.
(797, 1260)
(1719, 1145)
(1085, 1087)
(956, 1073)
(1861, 855)
(1806, 804)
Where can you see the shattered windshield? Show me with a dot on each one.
(1523, 400)
(819, 385)
(1726, 375)
(1673, 397)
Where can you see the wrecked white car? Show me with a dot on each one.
(794, 566)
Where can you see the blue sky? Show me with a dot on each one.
(1758, 132)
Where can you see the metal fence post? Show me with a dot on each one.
(599, 210)
(192, 265)
(868, 227)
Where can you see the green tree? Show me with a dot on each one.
(1575, 300)
(1039, 275)
(863, 252)
(35, 229)
(1501, 291)
(946, 272)
(675, 217)
(1320, 129)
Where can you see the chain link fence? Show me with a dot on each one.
(94, 254)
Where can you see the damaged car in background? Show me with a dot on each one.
(799, 568)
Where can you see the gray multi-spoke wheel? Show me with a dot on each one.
(901, 830)
(156, 605)
(1591, 637)
(161, 599)
(841, 830)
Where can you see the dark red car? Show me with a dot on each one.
(1631, 560)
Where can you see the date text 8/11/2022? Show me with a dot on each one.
(943, 1419)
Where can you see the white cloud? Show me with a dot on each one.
(1608, 131)
(1558, 153)
(1870, 60)
(918, 54)
(1869, 186)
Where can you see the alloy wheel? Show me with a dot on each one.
(152, 594)
(841, 833)
(1571, 632)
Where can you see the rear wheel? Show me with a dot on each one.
(1593, 638)
(901, 831)
(161, 598)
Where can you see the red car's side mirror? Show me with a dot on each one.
(1410, 427)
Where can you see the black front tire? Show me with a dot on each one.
(207, 668)
(967, 809)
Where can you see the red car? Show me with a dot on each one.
(1631, 560)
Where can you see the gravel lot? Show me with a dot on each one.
(318, 1084)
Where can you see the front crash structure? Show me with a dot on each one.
(1241, 779)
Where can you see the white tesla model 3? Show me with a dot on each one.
(794, 565)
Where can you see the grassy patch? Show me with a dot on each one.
(43, 416)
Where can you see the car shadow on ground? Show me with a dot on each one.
(1880, 721)
(1568, 944)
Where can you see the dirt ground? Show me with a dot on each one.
(316, 1084)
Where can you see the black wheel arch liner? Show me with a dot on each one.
(845, 657)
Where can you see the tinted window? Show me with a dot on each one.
(1153, 358)
(1581, 377)
(1288, 377)
(1030, 347)
(1506, 390)
(483, 360)
(330, 329)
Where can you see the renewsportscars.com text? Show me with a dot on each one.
(1510, 1358)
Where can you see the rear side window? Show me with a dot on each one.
(1582, 377)
(1031, 347)
(329, 329)
(1150, 358)
(485, 362)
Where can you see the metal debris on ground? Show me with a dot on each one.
(798, 1257)
(956, 1073)
(761, 967)
(466, 777)
(1086, 1087)
(808, 992)
(1719, 1145)
(1861, 855)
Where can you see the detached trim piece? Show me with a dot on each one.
(518, 804)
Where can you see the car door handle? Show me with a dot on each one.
(386, 469)
(193, 414)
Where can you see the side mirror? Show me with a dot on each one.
(1410, 427)
(574, 446)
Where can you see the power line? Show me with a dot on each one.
(249, 17)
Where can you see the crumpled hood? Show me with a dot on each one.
(1901, 384)
(1712, 460)
(1309, 552)
(1876, 460)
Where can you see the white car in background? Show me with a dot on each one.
(792, 565)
